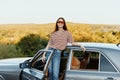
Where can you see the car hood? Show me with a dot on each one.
(12, 62)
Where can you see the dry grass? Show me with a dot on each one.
(12, 33)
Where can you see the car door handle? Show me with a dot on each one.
(109, 78)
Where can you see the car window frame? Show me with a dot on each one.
(37, 55)
(102, 53)
(93, 50)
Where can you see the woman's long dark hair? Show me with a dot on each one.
(64, 27)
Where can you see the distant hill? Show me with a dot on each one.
(12, 33)
(102, 27)
(106, 27)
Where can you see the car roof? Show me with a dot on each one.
(95, 45)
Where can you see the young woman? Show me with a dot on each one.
(57, 42)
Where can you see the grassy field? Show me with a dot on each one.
(11, 34)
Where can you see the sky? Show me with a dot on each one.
(48, 11)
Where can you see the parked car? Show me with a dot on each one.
(100, 61)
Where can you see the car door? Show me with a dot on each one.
(1, 77)
(98, 68)
(36, 69)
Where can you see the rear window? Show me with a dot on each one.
(90, 60)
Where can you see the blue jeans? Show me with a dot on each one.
(54, 65)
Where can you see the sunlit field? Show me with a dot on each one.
(11, 34)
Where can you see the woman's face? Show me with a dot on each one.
(60, 23)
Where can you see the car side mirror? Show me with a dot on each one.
(25, 64)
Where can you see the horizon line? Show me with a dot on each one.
(54, 23)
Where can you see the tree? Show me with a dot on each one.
(31, 43)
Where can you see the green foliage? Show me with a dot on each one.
(30, 44)
(9, 51)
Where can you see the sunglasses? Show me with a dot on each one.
(62, 22)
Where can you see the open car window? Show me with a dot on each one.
(37, 62)
(90, 61)
(37, 69)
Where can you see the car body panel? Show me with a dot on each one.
(9, 68)
(32, 74)
(88, 75)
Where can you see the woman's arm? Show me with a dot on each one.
(71, 40)
(76, 44)
(46, 48)
(43, 57)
